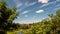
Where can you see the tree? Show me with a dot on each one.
(7, 15)
(55, 19)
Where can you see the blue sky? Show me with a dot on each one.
(34, 10)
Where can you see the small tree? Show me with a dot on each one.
(7, 15)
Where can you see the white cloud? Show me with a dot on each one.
(25, 12)
(57, 8)
(39, 11)
(30, 4)
(18, 3)
(58, 0)
(43, 1)
(26, 4)
(46, 4)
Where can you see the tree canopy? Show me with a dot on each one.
(7, 15)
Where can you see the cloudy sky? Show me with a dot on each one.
(34, 10)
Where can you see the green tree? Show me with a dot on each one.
(55, 19)
(7, 15)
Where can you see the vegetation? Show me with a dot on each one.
(47, 26)
(7, 15)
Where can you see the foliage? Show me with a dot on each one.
(46, 26)
(7, 15)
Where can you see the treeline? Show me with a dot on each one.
(47, 26)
